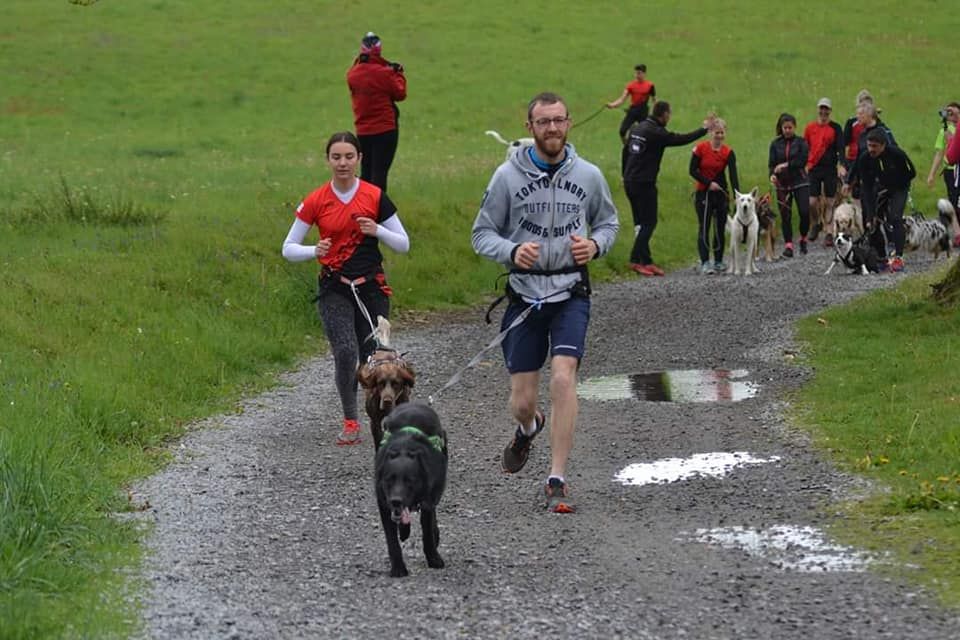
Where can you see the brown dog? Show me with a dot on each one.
(768, 227)
(387, 380)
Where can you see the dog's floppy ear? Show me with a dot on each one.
(407, 374)
(365, 376)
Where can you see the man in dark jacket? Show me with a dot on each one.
(884, 166)
(640, 160)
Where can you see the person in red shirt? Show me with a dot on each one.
(825, 140)
(708, 162)
(640, 91)
(376, 86)
(352, 217)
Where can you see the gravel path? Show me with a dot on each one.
(262, 528)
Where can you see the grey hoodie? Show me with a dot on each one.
(522, 204)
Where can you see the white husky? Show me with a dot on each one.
(511, 144)
(742, 227)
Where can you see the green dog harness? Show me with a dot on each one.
(435, 441)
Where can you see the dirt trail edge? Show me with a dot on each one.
(263, 528)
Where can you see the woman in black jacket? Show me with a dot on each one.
(787, 164)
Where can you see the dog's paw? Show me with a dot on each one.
(435, 561)
(399, 571)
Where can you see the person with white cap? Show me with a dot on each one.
(376, 86)
(825, 139)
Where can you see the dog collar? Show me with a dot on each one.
(435, 441)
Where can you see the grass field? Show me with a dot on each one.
(151, 154)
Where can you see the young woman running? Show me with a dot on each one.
(352, 218)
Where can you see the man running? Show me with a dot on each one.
(545, 214)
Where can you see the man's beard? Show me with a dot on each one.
(550, 145)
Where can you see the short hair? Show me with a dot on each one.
(640, 67)
(544, 97)
(719, 123)
(343, 136)
(661, 108)
(784, 117)
(876, 135)
(955, 105)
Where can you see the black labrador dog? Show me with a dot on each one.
(410, 474)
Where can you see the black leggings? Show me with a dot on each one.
(347, 332)
(378, 151)
(711, 206)
(785, 197)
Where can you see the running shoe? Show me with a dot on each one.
(557, 497)
(707, 269)
(895, 265)
(719, 266)
(642, 269)
(517, 452)
(828, 240)
(803, 247)
(788, 250)
(657, 271)
(814, 231)
(350, 434)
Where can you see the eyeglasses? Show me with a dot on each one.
(558, 122)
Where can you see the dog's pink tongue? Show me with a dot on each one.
(405, 516)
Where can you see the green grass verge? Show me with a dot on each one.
(885, 401)
(151, 154)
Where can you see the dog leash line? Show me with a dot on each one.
(475, 360)
(589, 118)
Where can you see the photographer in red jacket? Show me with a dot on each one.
(376, 86)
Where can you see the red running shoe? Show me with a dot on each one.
(557, 498)
(350, 433)
(642, 269)
(657, 271)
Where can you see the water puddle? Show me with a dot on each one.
(681, 385)
(788, 547)
(666, 470)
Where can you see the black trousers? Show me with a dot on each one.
(378, 151)
(785, 198)
(888, 214)
(953, 189)
(634, 114)
(711, 207)
(643, 204)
